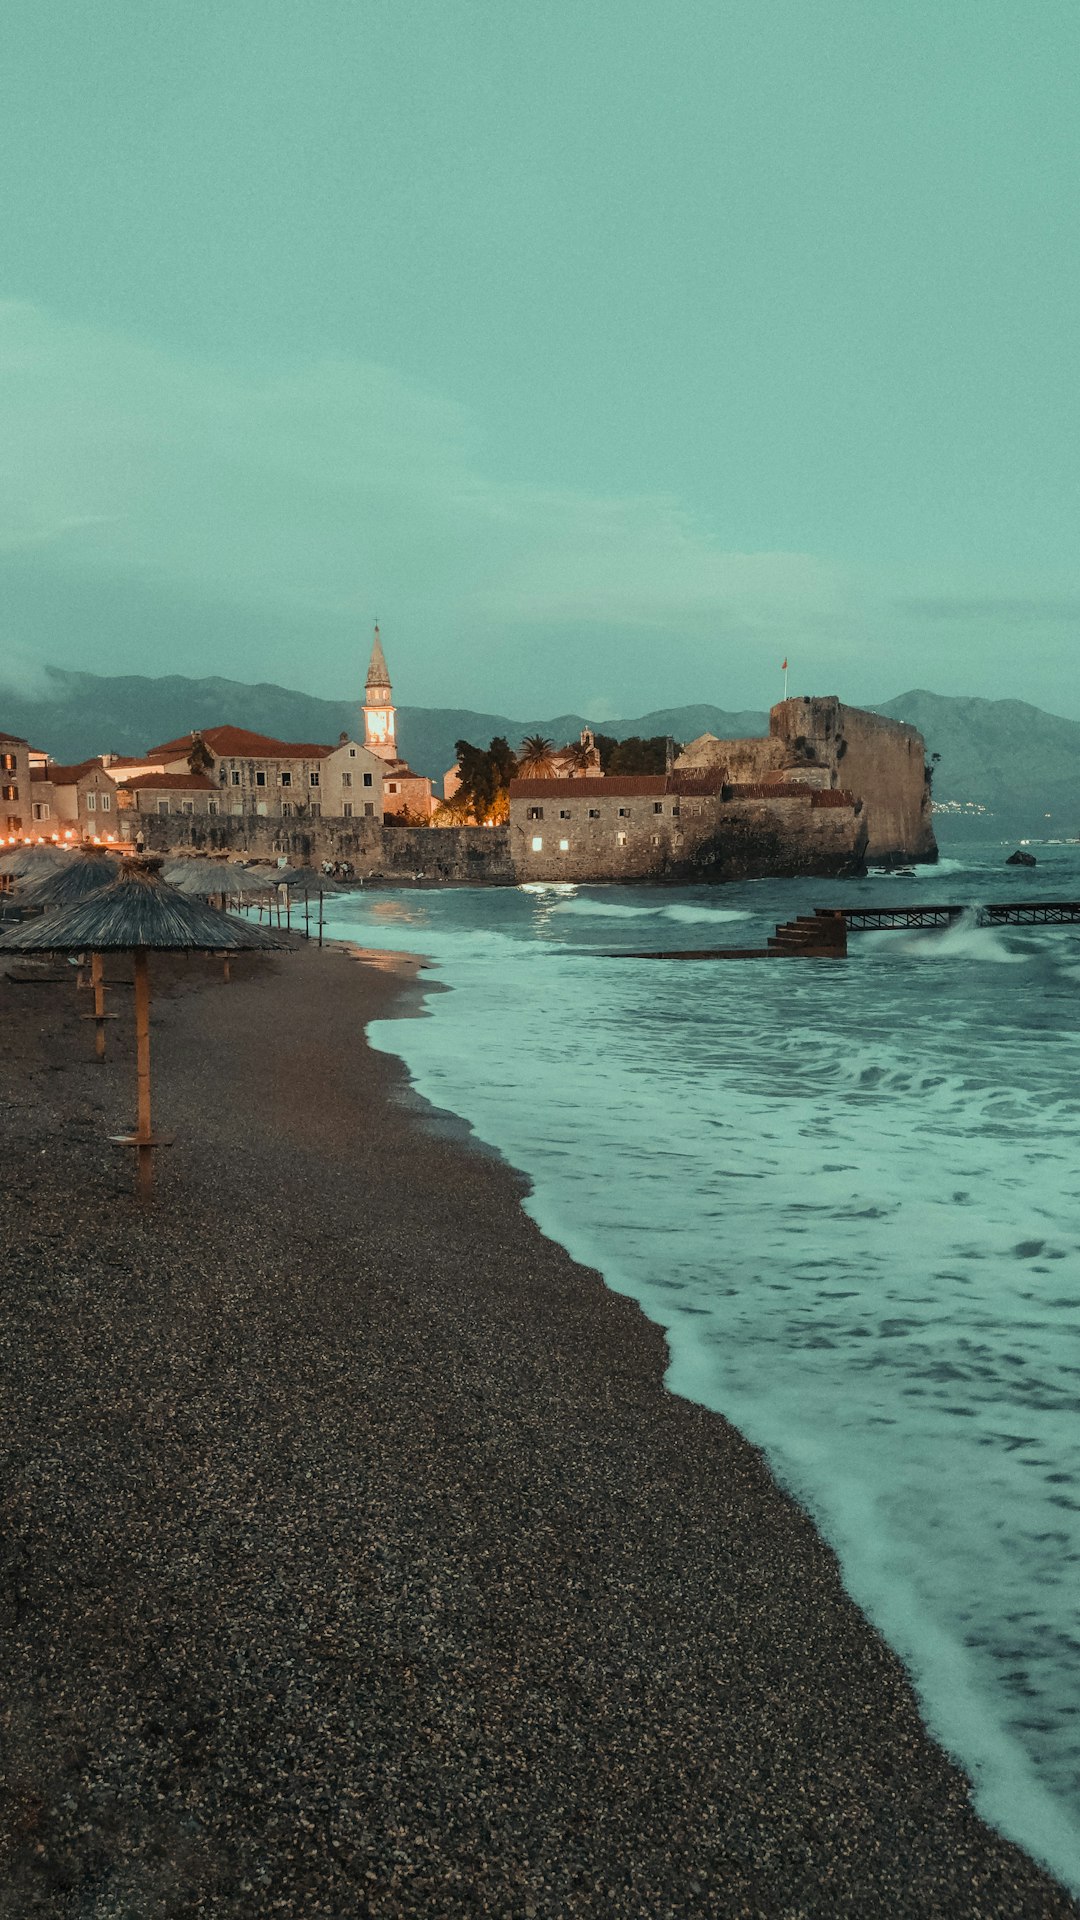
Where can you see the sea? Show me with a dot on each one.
(848, 1191)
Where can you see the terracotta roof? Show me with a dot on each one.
(15, 738)
(236, 743)
(66, 776)
(619, 786)
(184, 782)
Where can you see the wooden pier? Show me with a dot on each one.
(823, 934)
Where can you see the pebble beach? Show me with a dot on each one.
(355, 1560)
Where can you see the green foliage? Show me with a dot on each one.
(635, 755)
(485, 776)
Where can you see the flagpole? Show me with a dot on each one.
(785, 679)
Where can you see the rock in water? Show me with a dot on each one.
(1021, 859)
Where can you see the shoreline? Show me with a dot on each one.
(363, 1564)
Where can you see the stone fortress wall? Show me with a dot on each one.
(825, 743)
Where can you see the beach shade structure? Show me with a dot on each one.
(215, 879)
(308, 883)
(67, 885)
(138, 913)
(18, 861)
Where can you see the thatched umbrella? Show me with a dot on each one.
(33, 859)
(306, 883)
(135, 914)
(216, 879)
(66, 885)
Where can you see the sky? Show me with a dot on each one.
(607, 351)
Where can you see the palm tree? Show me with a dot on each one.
(580, 756)
(536, 758)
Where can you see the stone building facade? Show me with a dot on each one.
(75, 802)
(823, 743)
(680, 826)
(165, 793)
(15, 796)
(255, 774)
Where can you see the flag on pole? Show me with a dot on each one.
(783, 666)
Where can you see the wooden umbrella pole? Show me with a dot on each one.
(97, 977)
(307, 909)
(144, 1149)
(320, 918)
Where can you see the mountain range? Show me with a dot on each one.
(1022, 765)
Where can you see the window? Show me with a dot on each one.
(656, 839)
(223, 774)
(187, 806)
(346, 810)
(286, 809)
(624, 813)
(367, 779)
(564, 813)
(106, 803)
(163, 806)
(91, 803)
(564, 846)
(346, 779)
(674, 809)
(313, 779)
(537, 845)
(260, 779)
(286, 779)
(658, 806)
(392, 788)
(369, 810)
(41, 809)
(261, 807)
(8, 762)
(212, 806)
(594, 813)
(235, 776)
(237, 807)
(352, 753)
(315, 810)
(534, 813)
(620, 839)
(10, 792)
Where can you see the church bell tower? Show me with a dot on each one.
(379, 730)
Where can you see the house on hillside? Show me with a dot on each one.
(74, 800)
(251, 773)
(167, 793)
(15, 801)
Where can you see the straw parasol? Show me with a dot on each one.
(305, 881)
(215, 879)
(32, 859)
(67, 884)
(137, 913)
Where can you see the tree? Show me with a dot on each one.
(200, 759)
(579, 755)
(641, 756)
(484, 776)
(536, 758)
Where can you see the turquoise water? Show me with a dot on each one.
(847, 1191)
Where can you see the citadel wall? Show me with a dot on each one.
(474, 856)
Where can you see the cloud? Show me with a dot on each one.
(337, 486)
(1002, 610)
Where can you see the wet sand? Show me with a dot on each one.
(355, 1561)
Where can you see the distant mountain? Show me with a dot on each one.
(71, 715)
(1014, 759)
(1018, 762)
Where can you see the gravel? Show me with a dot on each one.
(355, 1561)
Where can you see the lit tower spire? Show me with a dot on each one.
(379, 730)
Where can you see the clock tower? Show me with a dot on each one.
(379, 730)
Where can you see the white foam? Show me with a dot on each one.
(848, 1193)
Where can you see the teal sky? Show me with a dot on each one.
(607, 351)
